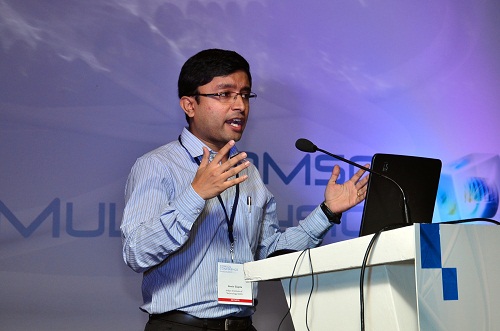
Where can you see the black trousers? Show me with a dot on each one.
(155, 324)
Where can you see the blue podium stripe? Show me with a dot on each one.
(430, 255)
(430, 246)
(450, 284)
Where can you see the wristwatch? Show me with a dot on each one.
(330, 215)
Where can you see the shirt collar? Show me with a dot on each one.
(195, 145)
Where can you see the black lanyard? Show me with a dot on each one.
(229, 220)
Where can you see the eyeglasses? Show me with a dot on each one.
(228, 97)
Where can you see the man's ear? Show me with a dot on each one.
(188, 105)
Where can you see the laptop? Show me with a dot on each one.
(418, 178)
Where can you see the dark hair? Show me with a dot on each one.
(202, 67)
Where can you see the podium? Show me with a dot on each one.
(420, 277)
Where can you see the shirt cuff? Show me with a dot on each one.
(320, 224)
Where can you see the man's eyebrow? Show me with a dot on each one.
(226, 85)
(229, 85)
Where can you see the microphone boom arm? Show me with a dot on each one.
(307, 146)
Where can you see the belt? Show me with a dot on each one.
(230, 323)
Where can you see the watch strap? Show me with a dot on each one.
(330, 215)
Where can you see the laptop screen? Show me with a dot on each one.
(384, 206)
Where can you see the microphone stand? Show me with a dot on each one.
(315, 148)
(308, 147)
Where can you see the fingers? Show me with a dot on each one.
(212, 178)
(205, 157)
(228, 165)
(335, 174)
(361, 184)
(223, 152)
(231, 182)
(358, 178)
(359, 174)
(360, 197)
(361, 189)
(225, 177)
(231, 167)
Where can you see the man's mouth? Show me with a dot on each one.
(236, 122)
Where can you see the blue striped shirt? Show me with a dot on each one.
(176, 238)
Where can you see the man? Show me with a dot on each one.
(196, 208)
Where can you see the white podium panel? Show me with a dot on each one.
(464, 292)
(422, 277)
(389, 299)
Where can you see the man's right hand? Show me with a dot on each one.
(212, 178)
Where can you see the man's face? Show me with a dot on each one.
(215, 122)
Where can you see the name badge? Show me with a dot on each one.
(231, 284)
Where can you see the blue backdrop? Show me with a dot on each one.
(88, 86)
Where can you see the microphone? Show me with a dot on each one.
(307, 146)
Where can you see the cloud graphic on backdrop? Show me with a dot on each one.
(351, 45)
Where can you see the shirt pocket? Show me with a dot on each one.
(252, 218)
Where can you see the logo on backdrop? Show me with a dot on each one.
(468, 188)
(106, 215)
